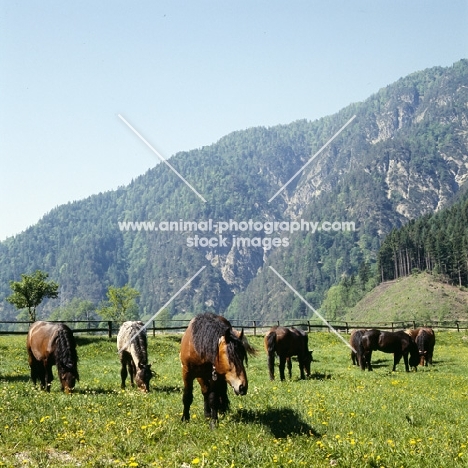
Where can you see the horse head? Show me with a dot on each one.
(68, 378)
(423, 357)
(307, 361)
(230, 361)
(143, 376)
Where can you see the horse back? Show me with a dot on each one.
(138, 346)
(370, 340)
(41, 338)
(425, 338)
(286, 342)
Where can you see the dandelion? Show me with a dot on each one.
(196, 461)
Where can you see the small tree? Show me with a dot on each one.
(76, 309)
(121, 304)
(31, 291)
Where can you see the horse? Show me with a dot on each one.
(399, 343)
(132, 345)
(51, 344)
(425, 341)
(287, 342)
(212, 352)
(355, 341)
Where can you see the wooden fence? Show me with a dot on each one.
(250, 326)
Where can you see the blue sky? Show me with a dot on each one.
(186, 73)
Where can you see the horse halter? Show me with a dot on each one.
(214, 374)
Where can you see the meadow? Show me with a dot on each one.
(339, 417)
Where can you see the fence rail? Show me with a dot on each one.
(251, 326)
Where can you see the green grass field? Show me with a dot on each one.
(340, 417)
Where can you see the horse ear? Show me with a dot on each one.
(241, 336)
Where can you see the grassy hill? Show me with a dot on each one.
(417, 297)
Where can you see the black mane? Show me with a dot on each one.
(208, 328)
(140, 343)
(65, 355)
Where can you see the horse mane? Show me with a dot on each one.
(208, 328)
(65, 353)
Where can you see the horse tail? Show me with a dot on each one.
(270, 345)
(271, 341)
(66, 356)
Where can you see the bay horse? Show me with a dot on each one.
(399, 343)
(355, 342)
(287, 342)
(212, 352)
(51, 344)
(425, 341)
(132, 345)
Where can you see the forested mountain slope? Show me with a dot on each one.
(404, 154)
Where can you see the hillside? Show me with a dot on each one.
(416, 297)
(404, 155)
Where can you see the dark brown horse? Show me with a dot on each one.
(51, 344)
(399, 343)
(132, 344)
(355, 342)
(287, 342)
(424, 338)
(214, 354)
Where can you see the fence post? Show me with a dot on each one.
(308, 326)
(458, 325)
(109, 328)
(392, 326)
(154, 328)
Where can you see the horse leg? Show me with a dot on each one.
(48, 377)
(365, 360)
(131, 371)
(187, 396)
(206, 392)
(301, 368)
(289, 364)
(282, 363)
(35, 370)
(123, 372)
(397, 358)
(271, 364)
(369, 360)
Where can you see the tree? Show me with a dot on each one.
(121, 304)
(31, 291)
(76, 309)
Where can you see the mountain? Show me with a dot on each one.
(403, 155)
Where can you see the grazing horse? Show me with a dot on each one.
(213, 353)
(287, 342)
(425, 341)
(399, 343)
(355, 342)
(51, 344)
(132, 345)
